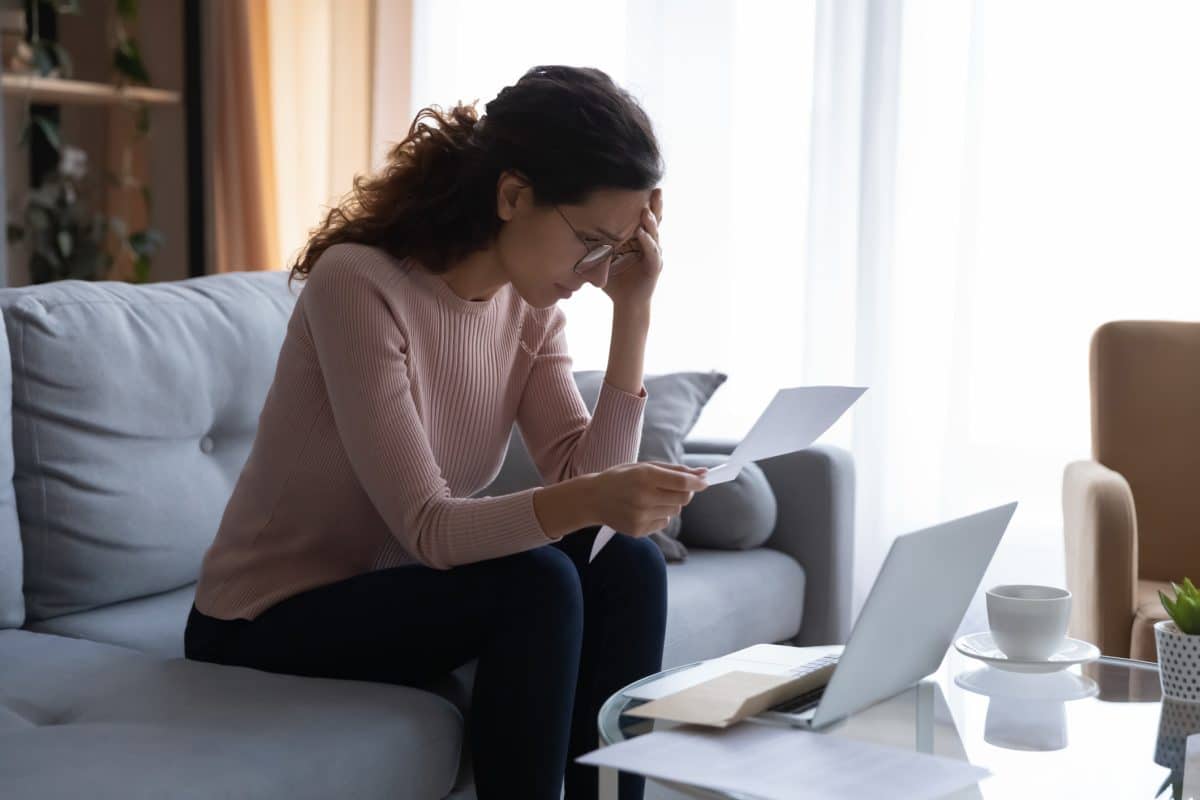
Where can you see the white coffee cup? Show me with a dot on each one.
(1028, 622)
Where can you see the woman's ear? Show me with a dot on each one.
(509, 190)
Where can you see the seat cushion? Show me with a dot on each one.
(151, 624)
(1149, 611)
(717, 601)
(133, 411)
(724, 600)
(82, 719)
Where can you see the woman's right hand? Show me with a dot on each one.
(638, 499)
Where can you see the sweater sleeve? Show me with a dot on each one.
(362, 353)
(562, 439)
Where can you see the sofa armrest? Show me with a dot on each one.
(707, 445)
(1100, 532)
(814, 490)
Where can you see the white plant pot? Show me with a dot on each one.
(1178, 662)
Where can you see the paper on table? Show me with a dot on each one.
(793, 420)
(777, 762)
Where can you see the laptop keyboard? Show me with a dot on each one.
(820, 669)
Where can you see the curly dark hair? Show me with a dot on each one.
(569, 131)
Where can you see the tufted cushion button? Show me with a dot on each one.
(206, 444)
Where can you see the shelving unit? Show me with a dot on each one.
(57, 91)
(98, 116)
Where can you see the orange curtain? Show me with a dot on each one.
(295, 111)
(241, 192)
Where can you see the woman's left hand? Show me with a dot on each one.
(634, 282)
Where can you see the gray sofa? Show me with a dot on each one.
(130, 410)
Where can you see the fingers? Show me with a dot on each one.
(676, 477)
(650, 223)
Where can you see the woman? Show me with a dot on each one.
(352, 547)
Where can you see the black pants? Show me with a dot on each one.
(554, 635)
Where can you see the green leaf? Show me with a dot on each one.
(127, 60)
(1190, 588)
(141, 269)
(1189, 614)
(43, 57)
(65, 66)
(127, 9)
(1168, 604)
(50, 130)
(65, 244)
(145, 242)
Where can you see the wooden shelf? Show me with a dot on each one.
(56, 91)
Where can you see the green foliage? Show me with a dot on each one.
(1184, 608)
(65, 240)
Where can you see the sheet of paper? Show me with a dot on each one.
(785, 763)
(792, 421)
(768, 659)
(602, 538)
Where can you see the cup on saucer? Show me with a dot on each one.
(1028, 622)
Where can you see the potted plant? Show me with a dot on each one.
(1178, 641)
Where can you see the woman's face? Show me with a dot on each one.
(538, 249)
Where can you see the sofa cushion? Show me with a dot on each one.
(735, 515)
(723, 600)
(81, 719)
(12, 600)
(134, 408)
(718, 601)
(152, 624)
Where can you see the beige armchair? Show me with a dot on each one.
(1131, 515)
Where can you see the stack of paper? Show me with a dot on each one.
(784, 763)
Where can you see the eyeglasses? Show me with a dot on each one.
(599, 255)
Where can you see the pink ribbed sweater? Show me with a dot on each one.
(392, 403)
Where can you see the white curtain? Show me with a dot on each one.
(727, 85)
(322, 66)
(940, 200)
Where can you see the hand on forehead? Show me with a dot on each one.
(616, 214)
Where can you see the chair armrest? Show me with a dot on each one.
(1100, 532)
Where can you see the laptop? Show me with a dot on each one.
(910, 617)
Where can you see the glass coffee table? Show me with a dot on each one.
(1100, 730)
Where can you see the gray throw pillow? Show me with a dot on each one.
(673, 404)
(737, 515)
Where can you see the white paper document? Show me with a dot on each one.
(781, 763)
(793, 420)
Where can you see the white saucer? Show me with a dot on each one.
(1046, 687)
(981, 646)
